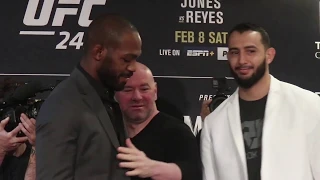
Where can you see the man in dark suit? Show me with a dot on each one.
(80, 127)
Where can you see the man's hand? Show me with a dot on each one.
(8, 140)
(138, 162)
(28, 127)
(205, 111)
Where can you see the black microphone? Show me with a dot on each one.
(23, 92)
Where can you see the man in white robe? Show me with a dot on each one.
(268, 129)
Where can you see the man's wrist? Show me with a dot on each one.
(2, 155)
(33, 150)
(162, 170)
(154, 168)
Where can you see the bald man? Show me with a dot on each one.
(80, 127)
(160, 146)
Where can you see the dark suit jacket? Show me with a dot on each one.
(75, 136)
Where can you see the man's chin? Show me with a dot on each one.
(244, 76)
(10, 153)
(137, 119)
(246, 83)
(119, 86)
(244, 79)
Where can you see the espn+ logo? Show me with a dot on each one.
(47, 10)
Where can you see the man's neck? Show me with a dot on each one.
(135, 128)
(257, 91)
(94, 79)
(88, 68)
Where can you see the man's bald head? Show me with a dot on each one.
(144, 71)
(138, 98)
(107, 30)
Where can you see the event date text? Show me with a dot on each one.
(200, 37)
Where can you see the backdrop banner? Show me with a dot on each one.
(184, 42)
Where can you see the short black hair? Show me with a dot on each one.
(107, 29)
(243, 27)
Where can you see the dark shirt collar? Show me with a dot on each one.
(106, 93)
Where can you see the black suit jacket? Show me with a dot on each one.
(75, 136)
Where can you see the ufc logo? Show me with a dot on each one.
(60, 13)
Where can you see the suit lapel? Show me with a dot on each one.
(92, 99)
(236, 129)
(271, 113)
(96, 105)
(269, 133)
(121, 126)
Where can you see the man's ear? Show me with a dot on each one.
(155, 91)
(270, 54)
(99, 52)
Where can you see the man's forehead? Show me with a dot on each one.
(245, 39)
(247, 35)
(137, 83)
(130, 55)
(139, 78)
(129, 51)
(130, 39)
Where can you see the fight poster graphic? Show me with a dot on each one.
(184, 41)
(202, 42)
(43, 17)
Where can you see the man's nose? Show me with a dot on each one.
(241, 58)
(132, 66)
(136, 95)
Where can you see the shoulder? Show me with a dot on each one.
(66, 92)
(299, 95)
(307, 104)
(65, 88)
(64, 99)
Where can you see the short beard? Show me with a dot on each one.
(109, 78)
(256, 76)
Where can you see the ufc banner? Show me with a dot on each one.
(184, 42)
